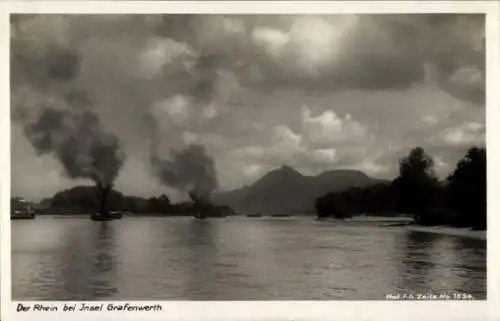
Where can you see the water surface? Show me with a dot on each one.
(179, 258)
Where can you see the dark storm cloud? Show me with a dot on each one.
(36, 61)
(379, 52)
(60, 65)
(389, 52)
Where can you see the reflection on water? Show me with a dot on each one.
(236, 259)
(88, 265)
(202, 257)
(416, 262)
(441, 263)
(77, 263)
(470, 265)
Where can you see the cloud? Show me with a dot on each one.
(160, 52)
(172, 110)
(335, 52)
(350, 50)
(272, 40)
(328, 128)
(320, 145)
(466, 134)
(258, 91)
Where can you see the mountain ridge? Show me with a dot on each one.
(287, 191)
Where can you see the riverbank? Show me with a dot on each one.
(454, 231)
(407, 223)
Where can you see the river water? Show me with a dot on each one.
(179, 258)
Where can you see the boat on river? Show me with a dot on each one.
(254, 215)
(18, 215)
(200, 216)
(21, 210)
(99, 217)
(116, 215)
(113, 215)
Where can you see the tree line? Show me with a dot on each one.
(83, 200)
(459, 200)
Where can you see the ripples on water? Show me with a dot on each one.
(236, 259)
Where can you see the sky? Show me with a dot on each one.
(316, 93)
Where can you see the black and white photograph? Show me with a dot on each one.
(248, 157)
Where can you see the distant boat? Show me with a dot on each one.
(22, 211)
(199, 216)
(18, 215)
(99, 217)
(113, 215)
(116, 215)
(254, 215)
(280, 215)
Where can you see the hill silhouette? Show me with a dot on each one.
(286, 191)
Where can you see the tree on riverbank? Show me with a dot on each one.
(458, 201)
(333, 204)
(466, 192)
(418, 190)
(378, 199)
(83, 200)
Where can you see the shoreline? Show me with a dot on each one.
(407, 224)
(379, 221)
(452, 231)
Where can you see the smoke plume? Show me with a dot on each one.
(76, 139)
(190, 170)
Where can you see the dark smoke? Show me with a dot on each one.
(78, 142)
(190, 170)
(84, 150)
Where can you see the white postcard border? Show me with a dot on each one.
(271, 310)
